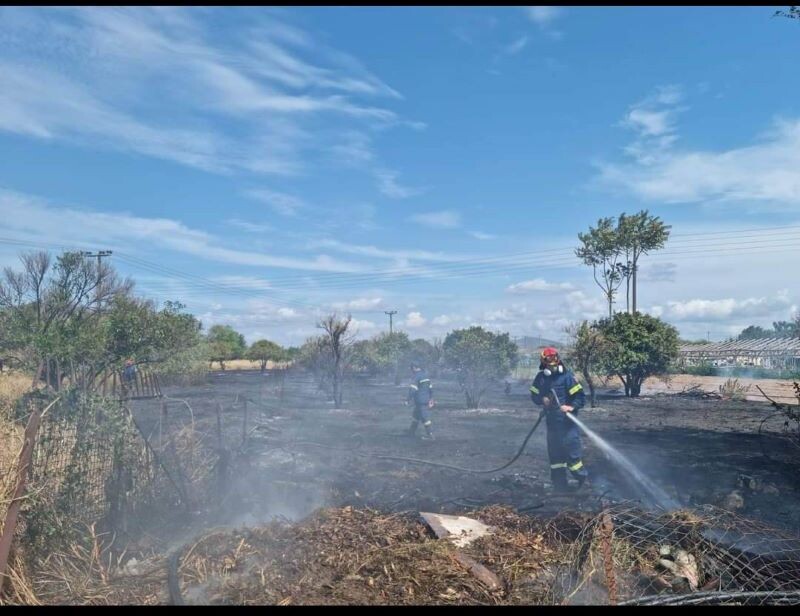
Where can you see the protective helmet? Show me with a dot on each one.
(550, 356)
(551, 363)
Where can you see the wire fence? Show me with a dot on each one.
(625, 555)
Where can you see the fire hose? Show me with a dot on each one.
(430, 462)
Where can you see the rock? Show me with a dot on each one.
(733, 501)
(771, 489)
(748, 482)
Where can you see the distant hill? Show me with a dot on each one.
(536, 343)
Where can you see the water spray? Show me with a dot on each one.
(661, 498)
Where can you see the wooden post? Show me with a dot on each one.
(23, 470)
(244, 423)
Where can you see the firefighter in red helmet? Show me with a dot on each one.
(556, 389)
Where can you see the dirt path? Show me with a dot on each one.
(778, 389)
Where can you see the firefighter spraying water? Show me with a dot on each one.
(554, 383)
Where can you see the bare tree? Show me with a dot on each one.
(338, 339)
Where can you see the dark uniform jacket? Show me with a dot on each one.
(568, 390)
(421, 391)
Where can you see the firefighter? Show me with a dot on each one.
(128, 376)
(556, 389)
(420, 394)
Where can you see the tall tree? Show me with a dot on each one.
(637, 346)
(637, 235)
(586, 349)
(479, 358)
(264, 351)
(224, 343)
(600, 248)
(51, 309)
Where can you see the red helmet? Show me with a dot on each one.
(549, 356)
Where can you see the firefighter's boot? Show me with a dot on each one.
(412, 430)
(428, 433)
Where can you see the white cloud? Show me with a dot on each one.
(539, 284)
(281, 203)
(250, 227)
(382, 253)
(725, 309)
(516, 46)
(361, 303)
(767, 173)
(92, 78)
(442, 319)
(243, 282)
(33, 218)
(414, 320)
(445, 219)
(479, 235)
(543, 15)
(389, 186)
(361, 326)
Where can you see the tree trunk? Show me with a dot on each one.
(636, 387)
(610, 302)
(590, 383)
(635, 267)
(628, 291)
(263, 365)
(626, 384)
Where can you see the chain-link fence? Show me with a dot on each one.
(625, 555)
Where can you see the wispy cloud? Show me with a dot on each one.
(479, 235)
(250, 227)
(159, 82)
(280, 203)
(653, 121)
(360, 304)
(728, 308)
(34, 219)
(382, 253)
(539, 284)
(515, 47)
(762, 176)
(543, 15)
(389, 186)
(445, 219)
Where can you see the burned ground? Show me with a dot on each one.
(308, 512)
(307, 454)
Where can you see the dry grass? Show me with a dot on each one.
(246, 364)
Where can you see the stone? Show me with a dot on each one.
(459, 529)
(733, 501)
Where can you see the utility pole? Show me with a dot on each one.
(99, 255)
(390, 313)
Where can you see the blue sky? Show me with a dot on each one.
(267, 165)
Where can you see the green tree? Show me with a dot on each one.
(637, 235)
(51, 310)
(479, 358)
(784, 329)
(430, 355)
(600, 248)
(792, 13)
(224, 344)
(265, 350)
(755, 332)
(637, 346)
(585, 352)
